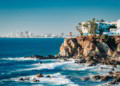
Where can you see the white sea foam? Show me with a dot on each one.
(56, 79)
(77, 67)
(102, 69)
(107, 85)
(47, 66)
(19, 58)
(39, 66)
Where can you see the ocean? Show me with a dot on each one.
(13, 65)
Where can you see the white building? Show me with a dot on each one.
(118, 23)
(84, 30)
(105, 26)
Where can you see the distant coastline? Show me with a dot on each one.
(31, 37)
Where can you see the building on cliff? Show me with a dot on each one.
(109, 28)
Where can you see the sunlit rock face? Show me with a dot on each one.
(90, 46)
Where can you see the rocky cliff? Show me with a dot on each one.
(84, 46)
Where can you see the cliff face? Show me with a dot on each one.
(90, 46)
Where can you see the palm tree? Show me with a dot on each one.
(79, 28)
(93, 26)
(86, 26)
(102, 20)
(89, 25)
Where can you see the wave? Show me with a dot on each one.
(19, 58)
(56, 79)
(46, 66)
(78, 67)
(39, 66)
(103, 69)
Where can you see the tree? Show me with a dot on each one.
(91, 26)
(86, 26)
(79, 28)
(102, 20)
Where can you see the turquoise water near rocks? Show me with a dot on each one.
(13, 65)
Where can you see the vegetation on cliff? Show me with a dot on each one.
(90, 26)
(93, 50)
(91, 47)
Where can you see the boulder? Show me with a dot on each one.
(85, 78)
(39, 75)
(96, 77)
(111, 83)
(21, 79)
(80, 61)
(69, 77)
(110, 73)
(27, 78)
(48, 76)
(91, 63)
(105, 78)
(35, 80)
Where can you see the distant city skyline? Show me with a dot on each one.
(53, 16)
(28, 34)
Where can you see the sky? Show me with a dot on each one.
(53, 16)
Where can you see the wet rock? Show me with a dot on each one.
(91, 63)
(48, 76)
(85, 78)
(111, 83)
(80, 61)
(21, 79)
(65, 59)
(116, 74)
(39, 75)
(102, 77)
(40, 62)
(96, 77)
(69, 77)
(27, 78)
(35, 80)
(105, 78)
(116, 81)
(112, 69)
(43, 57)
(110, 73)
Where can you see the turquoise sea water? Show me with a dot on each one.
(13, 65)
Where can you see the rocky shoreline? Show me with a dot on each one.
(92, 50)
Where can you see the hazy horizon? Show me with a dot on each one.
(53, 16)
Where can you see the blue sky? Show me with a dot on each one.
(53, 16)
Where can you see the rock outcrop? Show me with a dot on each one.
(90, 46)
(68, 48)
(112, 77)
(92, 49)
